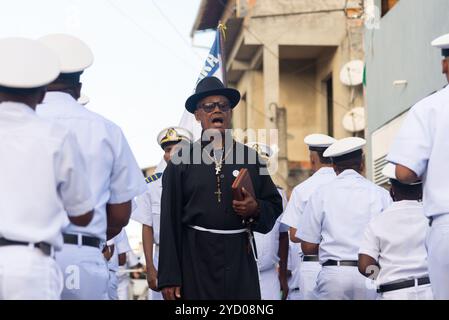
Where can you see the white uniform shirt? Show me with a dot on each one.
(121, 245)
(148, 210)
(113, 173)
(396, 239)
(422, 145)
(337, 214)
(267, 245)
(301, 194)
(42, 177)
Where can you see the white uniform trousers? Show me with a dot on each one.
(438, 256)
(113, 285)
(28, 274)
(308, 274)
(124, 283)
(155, 295)
(85, 273)
(293, 285)
(414, 293)
(270, 288)
(343, 283)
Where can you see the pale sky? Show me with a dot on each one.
(144, 68)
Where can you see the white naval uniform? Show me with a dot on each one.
(114, 177)
(267, 247)
(307, 271)
(396, 240)
(148, 212)
(294, 260)
(422, 145)
(123, 277)
(335, 217)
(42, 180)
(121, 245)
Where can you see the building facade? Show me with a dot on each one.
(401, 69)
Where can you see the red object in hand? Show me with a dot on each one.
(243, 180)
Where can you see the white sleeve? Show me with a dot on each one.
(311, 220)
(142, 212)
(292, 212)
(127, 181)
(413, 144)
(73, 185)
(122, 245)
(370, 244)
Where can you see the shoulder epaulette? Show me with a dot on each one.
(153, 177)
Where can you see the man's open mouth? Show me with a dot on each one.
(218, 119)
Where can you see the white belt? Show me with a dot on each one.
(219, 231)
(236, 231)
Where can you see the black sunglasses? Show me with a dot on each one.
(209, 107)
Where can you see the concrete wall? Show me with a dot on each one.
(300, 102)
(400, 50)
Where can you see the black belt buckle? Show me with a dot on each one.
(85, 240)
(44, 247)
(310, 259)
(403, 284)
(342, 263)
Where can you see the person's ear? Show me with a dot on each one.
(197, 115)
(445, 66)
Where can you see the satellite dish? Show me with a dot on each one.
(354, 120)
(352, 73)
(83, 99)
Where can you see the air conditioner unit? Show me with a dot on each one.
(381, 141)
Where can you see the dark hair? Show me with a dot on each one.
(351, 160)
(320, 152)
(69, 78)
(406, 191)
(19, 91)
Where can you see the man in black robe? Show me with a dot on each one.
(206, 250)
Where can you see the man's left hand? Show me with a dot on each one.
(248, 207)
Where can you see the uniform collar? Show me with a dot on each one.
(57, 96)
(16, 107)
(350, 173)
(325, 170)
(406, 204)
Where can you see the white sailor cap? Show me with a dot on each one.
(344, 146)
(173, 135)
(442, 43)
(74, 54)
(389, 171)
(262, 149)
(83, 99)
(26, 64)
(318, 140)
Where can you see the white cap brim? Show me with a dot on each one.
(319, 140)
(74, 54)
(26, 64)
(344, 146)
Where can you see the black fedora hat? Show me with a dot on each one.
(211, 86)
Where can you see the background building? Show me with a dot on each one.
(285, 57)
(401, 68)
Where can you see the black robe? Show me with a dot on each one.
(203, 264)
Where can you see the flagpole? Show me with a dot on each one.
(221, 29)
